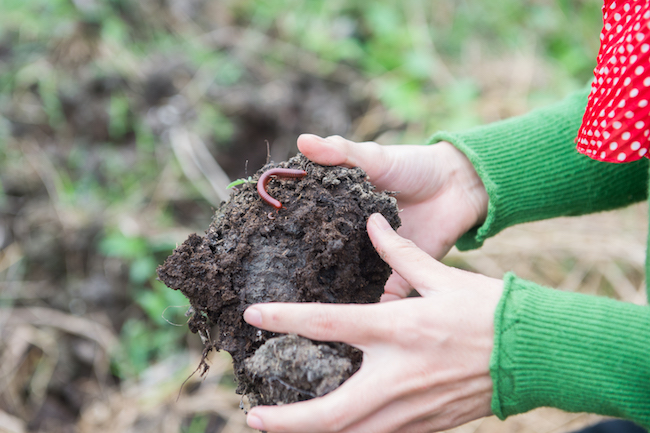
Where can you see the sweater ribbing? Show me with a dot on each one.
(532, 170)
(576, 352)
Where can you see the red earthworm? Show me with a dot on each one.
(277, 172)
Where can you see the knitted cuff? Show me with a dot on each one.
(571, 351)
(531, 170)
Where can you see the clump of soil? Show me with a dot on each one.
(299, 365)
(314, 249)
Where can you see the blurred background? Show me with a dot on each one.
(122, 122)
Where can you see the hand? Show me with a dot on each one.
(426, 360)
(440, 194)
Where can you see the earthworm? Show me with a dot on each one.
(277, 172)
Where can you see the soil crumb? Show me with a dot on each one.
(314, 249)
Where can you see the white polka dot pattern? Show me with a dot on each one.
(616, 124)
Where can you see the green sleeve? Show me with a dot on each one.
(575, 352)
(532, 171)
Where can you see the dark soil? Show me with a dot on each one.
(314, 249)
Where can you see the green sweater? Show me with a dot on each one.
(566, 350)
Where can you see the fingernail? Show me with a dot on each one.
(379, 220)
(254, 422)
(253, 316)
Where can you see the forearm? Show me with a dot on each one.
(571, 351)
(531, 170)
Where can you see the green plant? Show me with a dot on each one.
(157, 334)
(198, 424)
(241, 182)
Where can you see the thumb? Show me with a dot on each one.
(424, 273)
(336, 150)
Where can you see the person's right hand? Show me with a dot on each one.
(426, 361)
(439, 192)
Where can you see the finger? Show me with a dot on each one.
(357, 325)
(359, 396)
(388, 297)
(396, 288)
(324, 151)
(336, 150)
(414, 265)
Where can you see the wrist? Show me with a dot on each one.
(464, 178)
(572, 351)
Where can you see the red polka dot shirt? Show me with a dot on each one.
(616, 124)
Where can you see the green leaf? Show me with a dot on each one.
(199, 424)
(118, 245)
(118, 115)
(163, 305)
(241, 181)
(142, 269)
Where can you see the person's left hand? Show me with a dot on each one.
(426, 360)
